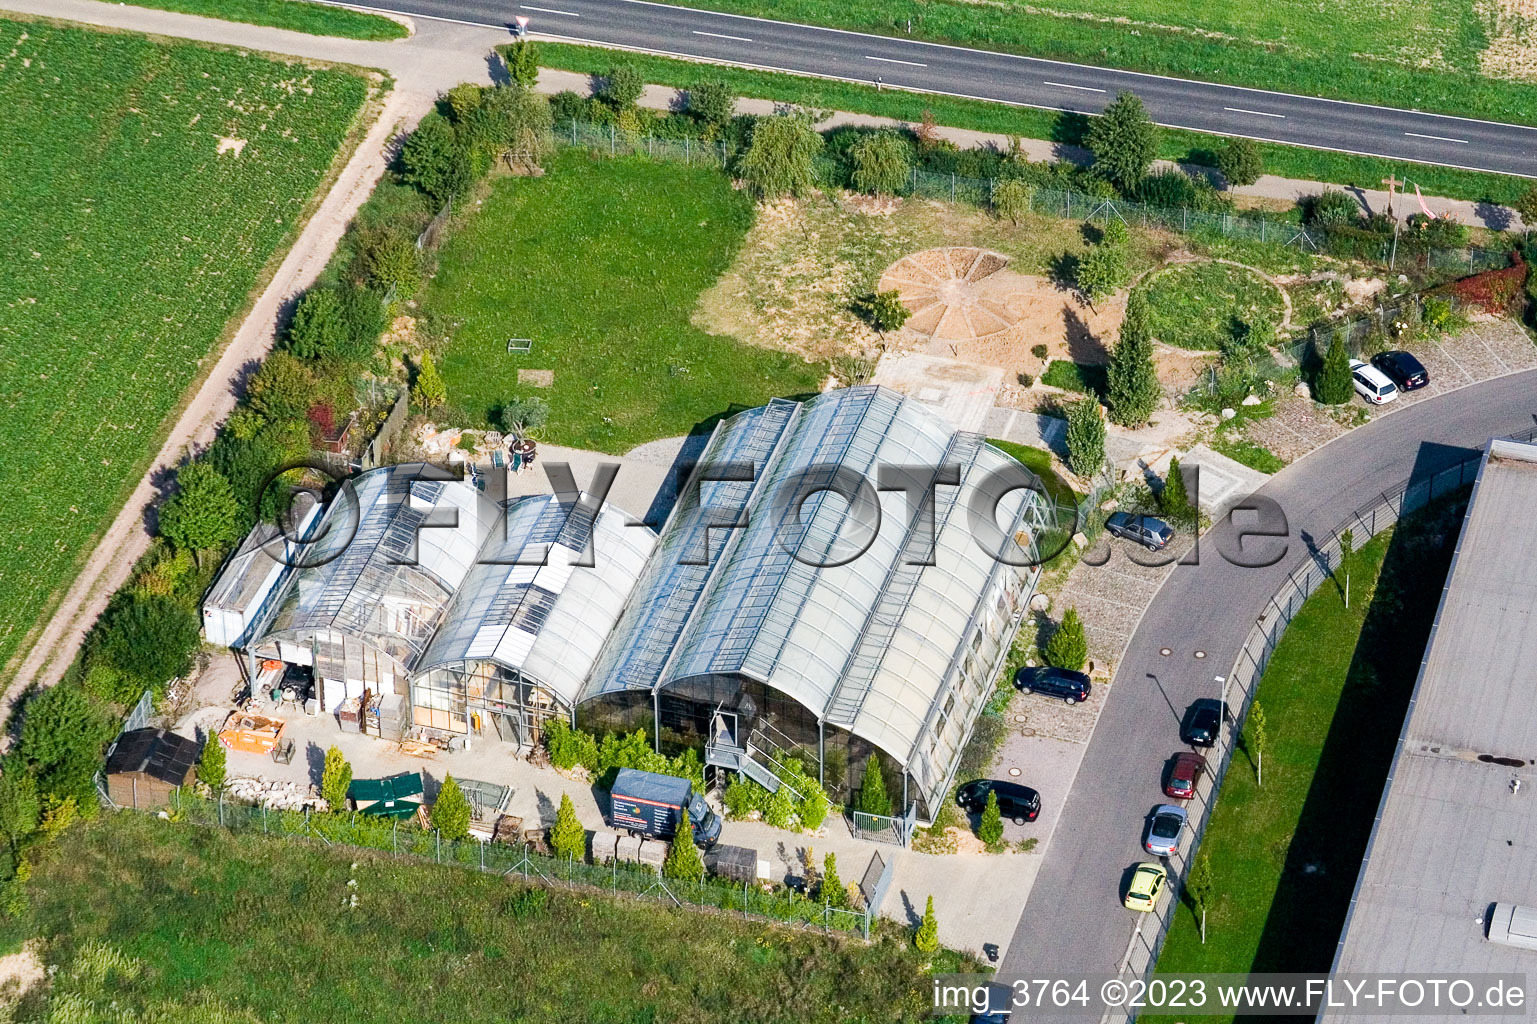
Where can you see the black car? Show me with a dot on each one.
(1019, 803)
(1203, 720)
(1145, 530)
(1054, 682)
(1402, 369)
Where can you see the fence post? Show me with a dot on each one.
(952, 186)
(611, 134)
(685, 149)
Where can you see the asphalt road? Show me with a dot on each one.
(1025, 81)
(1074, 920)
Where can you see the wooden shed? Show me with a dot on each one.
(145, 765)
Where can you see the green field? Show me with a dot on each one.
(261, 927)
(129, 242)
(1194, 305)
(1285, 856)
(1185, 146)
(1423, 54)
(297, 15)
(600, 262)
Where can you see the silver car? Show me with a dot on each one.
(1164, 830)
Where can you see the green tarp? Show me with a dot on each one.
(396, 796)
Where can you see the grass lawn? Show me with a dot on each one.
(1250, 453)
(130, 242)
(1285, 857)
(1188, 146)
(1084, 378)
(1040, 462)
(1194, 305)
(260, 927)
(316, 19)
(600, 262)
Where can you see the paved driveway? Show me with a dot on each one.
(1073, 919)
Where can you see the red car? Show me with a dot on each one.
(1184, 772)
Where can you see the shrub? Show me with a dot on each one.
(742, 797)
(451, 811)
(317, 325)
(1333, 385)
(1497, 292)
(203, 513)
(1240, 162)
(1438, 314)
(1331, 208)
(389, 259)
(1101, 270)
(779, 810)
(1132, 389)
(335, 777)
(1085, 437)
(779, 156)
(435, 161)
(990, 828)
(568, 838)
(523, 416)
(1526, 206)
(1123, 141)
(1011, 198)
(1170, 187)
(813, 808)
(523, 63)
(429, 392)
(62, 735)
(20, 806)
(880, 163)
(148, 637)
(1174, 499)
(621, 87)
(568, 105)
(926, 938)
(520, 123)
(1039, 351)
(832, 892)
(872, 792)
(1248, 338)
(1068, 647)
(884, 311)
(1422, 232)
(712, 102)
(683, 861)
(284, 388)
(212, 763)
(462, 100)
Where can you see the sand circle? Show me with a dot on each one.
(953, 293)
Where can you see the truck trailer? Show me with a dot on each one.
(651, 805)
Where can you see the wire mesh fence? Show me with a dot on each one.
(407, 839)
(1254, 657)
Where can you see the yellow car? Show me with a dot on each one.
(1146, 886)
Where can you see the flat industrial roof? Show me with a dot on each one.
(1452, 837)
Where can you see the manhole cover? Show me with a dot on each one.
(1014, 771)
(1200, 654)
(1027, 732)
(1021, 719)
(1165, 651)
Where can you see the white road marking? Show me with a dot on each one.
(891, 60)
(1064, 85)
(1438, 138)
(717, 35)
(1261, 113)
(547, 10)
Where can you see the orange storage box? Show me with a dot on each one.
(251, 734)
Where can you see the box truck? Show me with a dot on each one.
(652, 805)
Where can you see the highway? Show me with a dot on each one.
(1006, 78)
(1074, 914)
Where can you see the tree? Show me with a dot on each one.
(1123, 141)
(387, 259)
(151, 637)
(712, 102)
(621, 87)
(883, 311)
(881, 163)
(832, 891)
(203, 513)
(212, 764)
(451, 810)
(62, 735)
(990, 828)
(1174, 499)
(519, 123)
(1333, 384)
(1256, 739)
(1526, 206)
(568, 838)
(1101, 270)
(872, 791)
(1085, 437)
(284, 388)
(1198, 884)
(780, 155)
(20, 805)
(521, 416)
(1011, 198)
(1132, 389)
(1068, 647)
(435, 160)
(683, 860)
(318, 326)
(1347, 549)
(926, 938)
(429, 392)
(523, 63)
(335, 777)
(1240, 162)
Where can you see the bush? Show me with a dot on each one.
(1085, 437)
(62, 736)
(1422, 232)
(872, 791)
(683, 861)
(568, 838)
(1123, 141)
(211, 764)
(881, 163)
(429, 392)
(1248, 338)
(832, 891)
(202, 514)
(522, 59)
(1174, 499)
(1333, 384)
(335, 777)
(742, 797)
(1526, 206)
(523, 416)
(780, 155)
(1068, 647)
(990, 828)
(926, 938)
(1011, 198)
(621, 87)
(1240, 162)
(1331, 208)
(150, 638)
(712, 102)
(284, 388)
(435, 161)
(519, 123)
(388, 259)
(1101, 270)
(1438, 314)
(1170, 188)
(317, 325)
(884, 311)
(779, 810)
(569, 106)
(451, 811)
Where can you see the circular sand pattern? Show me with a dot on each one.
(951, 294)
